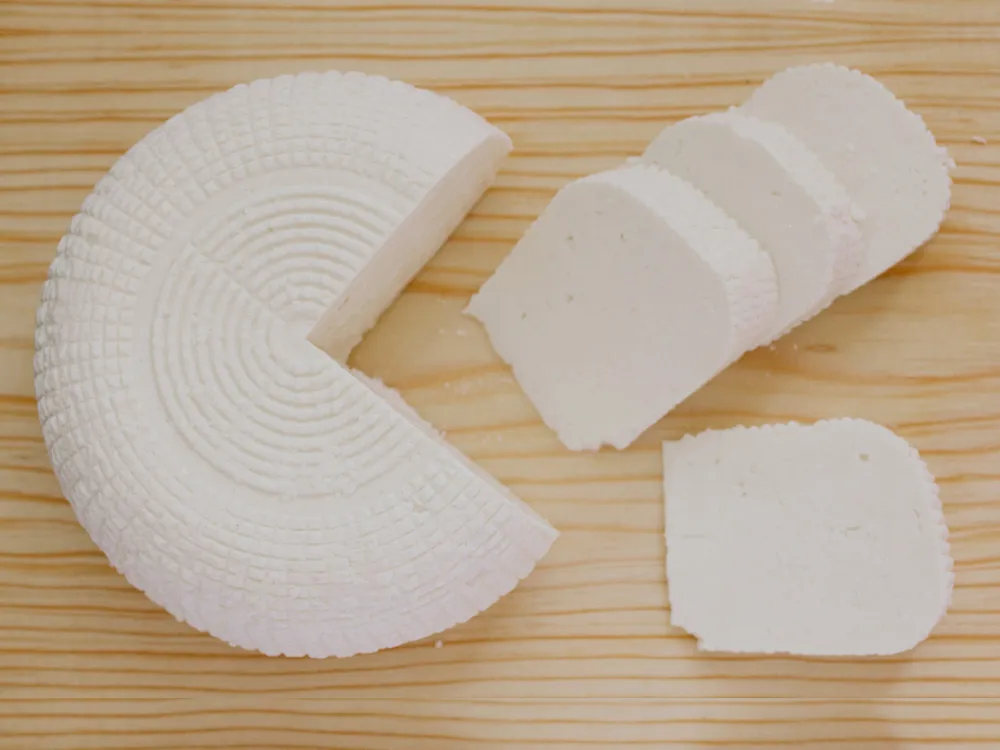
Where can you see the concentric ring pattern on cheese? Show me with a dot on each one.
(249, 483)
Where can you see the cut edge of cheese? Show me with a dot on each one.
(780, 193)
(410, 247)
(756, 564)
(592, 304)
(745, 268)
(840, 214)
(881, 151)
(246, 481)
(393, 397)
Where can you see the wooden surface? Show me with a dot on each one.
(582, 654)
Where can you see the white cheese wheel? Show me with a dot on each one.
(629, 293)
(882, 152)
(245, 480)
(826, 539)
(780, 193)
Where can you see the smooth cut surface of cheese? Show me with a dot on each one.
(826, 539)
(882, 152)
(630, 292)
(780, 193)
(249, 483)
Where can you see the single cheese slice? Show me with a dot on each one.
(826, 539)
(245, 480)
(881, 151)
(780, 193)
(630, 292)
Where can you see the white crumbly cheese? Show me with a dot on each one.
(245, 480)
(826, 539)
(882, 152)
(629, 293)
(780, 193)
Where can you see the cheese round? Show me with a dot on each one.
(238, 475)
(630, 292)
(882, 152)
(780, 193)
(827, 539)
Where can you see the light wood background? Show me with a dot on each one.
(582, 654)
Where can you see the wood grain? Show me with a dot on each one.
(582, 654)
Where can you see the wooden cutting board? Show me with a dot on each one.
(582, 654)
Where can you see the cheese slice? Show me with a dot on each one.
(630, 292)
(245, 480)
(826, 539)
(781, 194)
(882, 152)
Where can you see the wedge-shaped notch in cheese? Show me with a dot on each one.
(245, 480)
(781, 194)
(882, 152)
(630, 292)
(826, 539)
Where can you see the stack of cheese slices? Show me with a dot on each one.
(638, 285)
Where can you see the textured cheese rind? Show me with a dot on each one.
(247, 482)
(839, 214)
(779, 193)
(626, 295)
(745, 269)
(409, 248)
(882, 152)
(826, 539)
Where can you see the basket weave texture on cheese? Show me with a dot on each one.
(824, 539)
(780, 193)
(882, 152)
(245, 480)
(629, 292)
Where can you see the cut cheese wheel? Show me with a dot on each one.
(245, 480)
(780, 193)
(882, 152)
(628, 294)
(826, 539)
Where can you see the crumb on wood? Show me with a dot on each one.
(438, 644)
(979, 139)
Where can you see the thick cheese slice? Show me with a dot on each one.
(780, 193)
(245, 480)
(882, 152)
(826, 539)
(630, 292)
